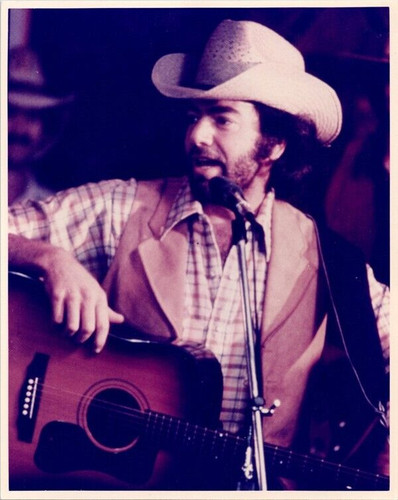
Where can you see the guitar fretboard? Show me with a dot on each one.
(222, 446)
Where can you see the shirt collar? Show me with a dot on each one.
(185, 206)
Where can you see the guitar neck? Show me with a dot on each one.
(287, 463)
(229, 449)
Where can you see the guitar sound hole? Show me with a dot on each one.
(111, 418)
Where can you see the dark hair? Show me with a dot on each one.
(291, 173)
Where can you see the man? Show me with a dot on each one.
(36, 117)
(163, 249)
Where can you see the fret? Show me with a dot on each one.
(177, 430)
(169, 427)
(238, 446)
(153, 426)
(194, 434)
(202, 437)
(223, 442)
(156, 430)
(338, 472)
(356, 476)
(213, 442)
(218, 453)
(276, 457)
(289, 458)
(304, 464)
(186, 434)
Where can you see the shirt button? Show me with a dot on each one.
(233, 275)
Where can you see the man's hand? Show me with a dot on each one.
(78, 301)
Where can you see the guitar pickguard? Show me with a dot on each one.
(64, 447)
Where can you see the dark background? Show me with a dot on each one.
(120, 126)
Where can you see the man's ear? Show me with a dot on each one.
(277, 151)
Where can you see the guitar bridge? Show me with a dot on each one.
(30, 395)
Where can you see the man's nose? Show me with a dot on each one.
(201, 133)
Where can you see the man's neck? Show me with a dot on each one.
(256, 191)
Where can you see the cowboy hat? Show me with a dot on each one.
(26, 83)
(244, 60)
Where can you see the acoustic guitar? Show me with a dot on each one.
(140, 415)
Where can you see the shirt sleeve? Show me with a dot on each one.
(86, 221)
(380, 298)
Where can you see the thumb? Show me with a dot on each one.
(115, 317)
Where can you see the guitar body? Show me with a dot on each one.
(141, 415)
(75, 417)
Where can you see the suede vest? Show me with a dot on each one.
(146, 282)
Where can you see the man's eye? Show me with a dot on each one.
(223, 120)
(191, 118)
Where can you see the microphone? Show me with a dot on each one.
(224, 192)
(227, 194)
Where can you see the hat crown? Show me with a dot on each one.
(24, 68)
(236, 46)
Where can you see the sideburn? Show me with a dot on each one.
(265, 147)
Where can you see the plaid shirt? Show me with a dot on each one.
(89, 220)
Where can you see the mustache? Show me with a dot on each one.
(204, 156)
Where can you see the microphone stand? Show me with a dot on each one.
(239, 239)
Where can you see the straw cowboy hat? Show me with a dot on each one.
(246, 61)
(27, 87)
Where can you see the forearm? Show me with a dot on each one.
(86, 222)
(77, 299)
(67, 241)
(33, 256)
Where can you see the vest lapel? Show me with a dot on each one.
(164, 262)
(293, 264)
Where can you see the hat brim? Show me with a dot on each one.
(298, 92)
(28, 100)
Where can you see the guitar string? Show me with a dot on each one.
(283, 455)
(140, 417)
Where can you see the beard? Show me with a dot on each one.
(204, 164)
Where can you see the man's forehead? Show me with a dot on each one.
(219, 105)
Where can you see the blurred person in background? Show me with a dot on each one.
(36, 118)
(357, 201)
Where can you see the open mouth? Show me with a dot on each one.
(204, 161)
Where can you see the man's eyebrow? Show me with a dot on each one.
(213, 110)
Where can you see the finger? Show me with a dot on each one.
(87, 320)
(58, 307)
(102, 327)
(72, 309)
